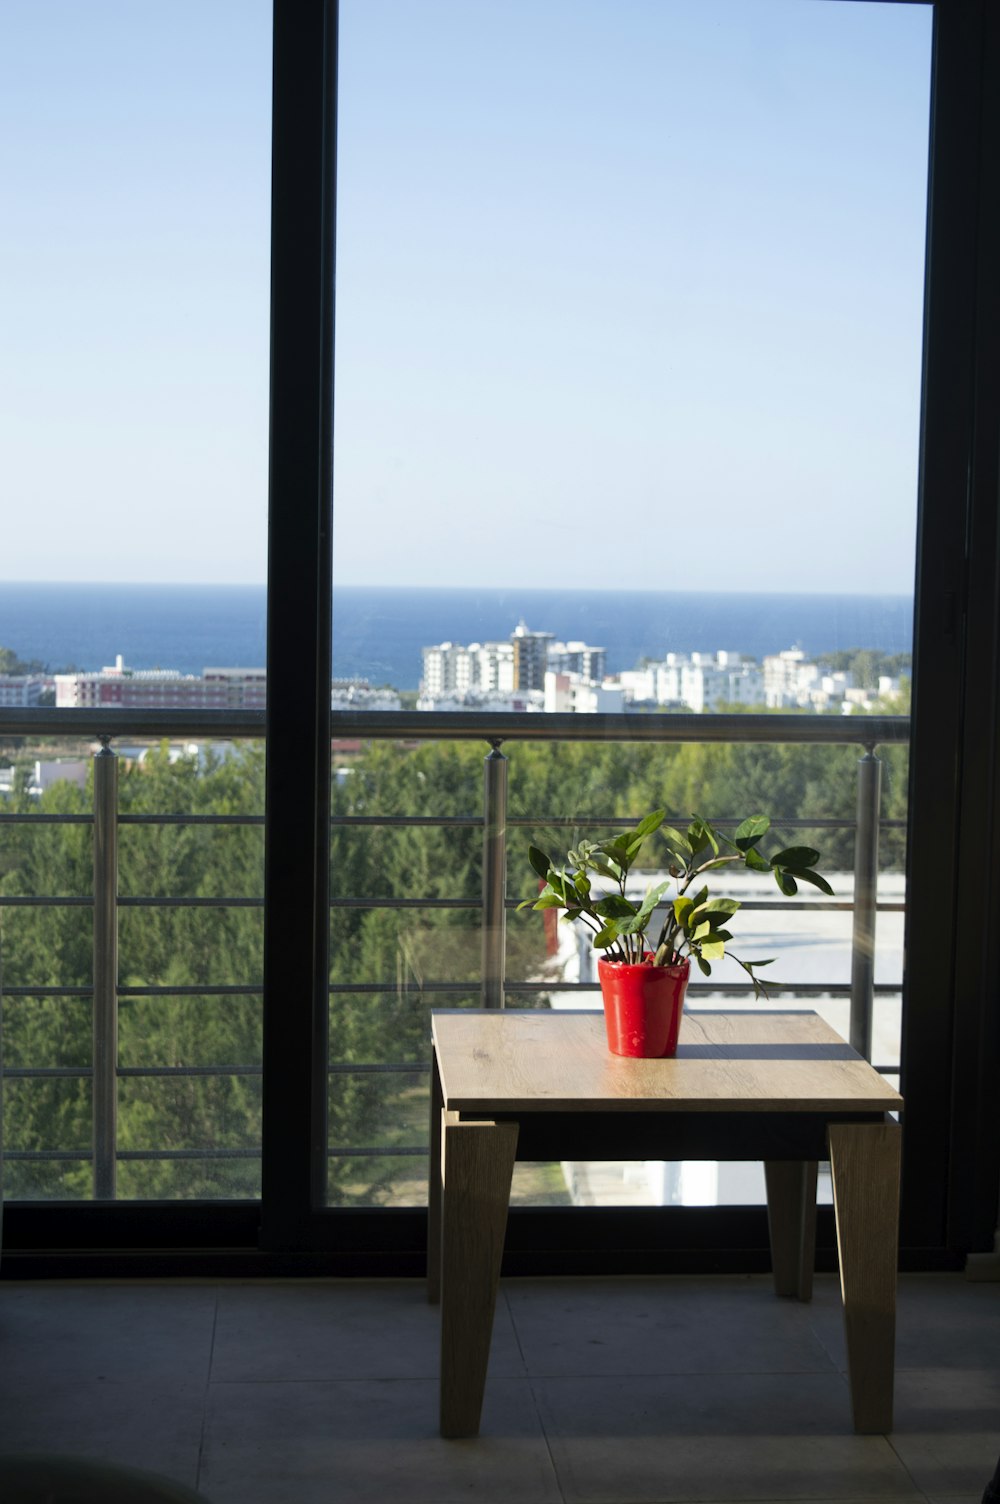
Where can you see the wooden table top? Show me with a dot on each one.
(558, 1061)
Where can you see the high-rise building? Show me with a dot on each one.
(531, 656)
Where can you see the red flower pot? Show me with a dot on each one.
(643, 1006)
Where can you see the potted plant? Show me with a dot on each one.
(643, 980)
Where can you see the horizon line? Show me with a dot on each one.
(463, 589)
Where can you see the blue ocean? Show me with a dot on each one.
(378, 632)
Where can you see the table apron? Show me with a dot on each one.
(673, 1135)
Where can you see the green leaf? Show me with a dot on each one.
(546, 901)
(786, 882)
(614, 906)
(539, 861)
(815, 878)
(651, 899)
(713, 950)
(703, 966)
(605, 937)
(795, 856)
(749, 832)
(651, 822)
(722, 906)
(617, 848)
(682, 908)
(756, 862)
(677, 842)
(701, 833)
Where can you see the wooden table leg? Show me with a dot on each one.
(791, 1220)
(434, 1173)
(478, 1162)
(864, 1163)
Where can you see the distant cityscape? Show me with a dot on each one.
(530, 671)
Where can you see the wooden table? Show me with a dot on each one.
(776, 1086)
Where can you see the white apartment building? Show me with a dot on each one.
(697, 681)
(451, 668)
(578, 658)
(572, 693)
(791, 681)
(516, 666)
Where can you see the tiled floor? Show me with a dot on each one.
(600, 1391)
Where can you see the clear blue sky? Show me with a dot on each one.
(629, 291)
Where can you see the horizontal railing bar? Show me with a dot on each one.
(190, 903)
(190, 1070)
(47, 1072)
(183, 819)
(196, 1154)
(416, 725)
(761, 905)
(405, 821)
(734, 989)
(48, 1155)
(839, 730)
(87, 991)
(405, 903)
(154, 723)
(395, 1068)
(46, 819)
(35, 902)
(444, 822)
(245, 989)
(359, 988)
(408, 1151)
(796, 822)
(26, 901)
(708, 989)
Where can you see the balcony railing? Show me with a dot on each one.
(498, 732)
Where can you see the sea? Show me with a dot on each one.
(378, 632)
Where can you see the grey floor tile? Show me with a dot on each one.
(942, 1320)
(713, 1437)
(649, 1326)
(152, 1424)
(104, 1331)
(947, 1428)
(370, 1443)
(339, 1329)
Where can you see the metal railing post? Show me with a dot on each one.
(865, 897)
(494, 876)
(105, 1077)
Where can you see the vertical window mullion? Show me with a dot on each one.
(298, 635)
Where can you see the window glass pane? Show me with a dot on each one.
(628, 377)
(134, 269)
